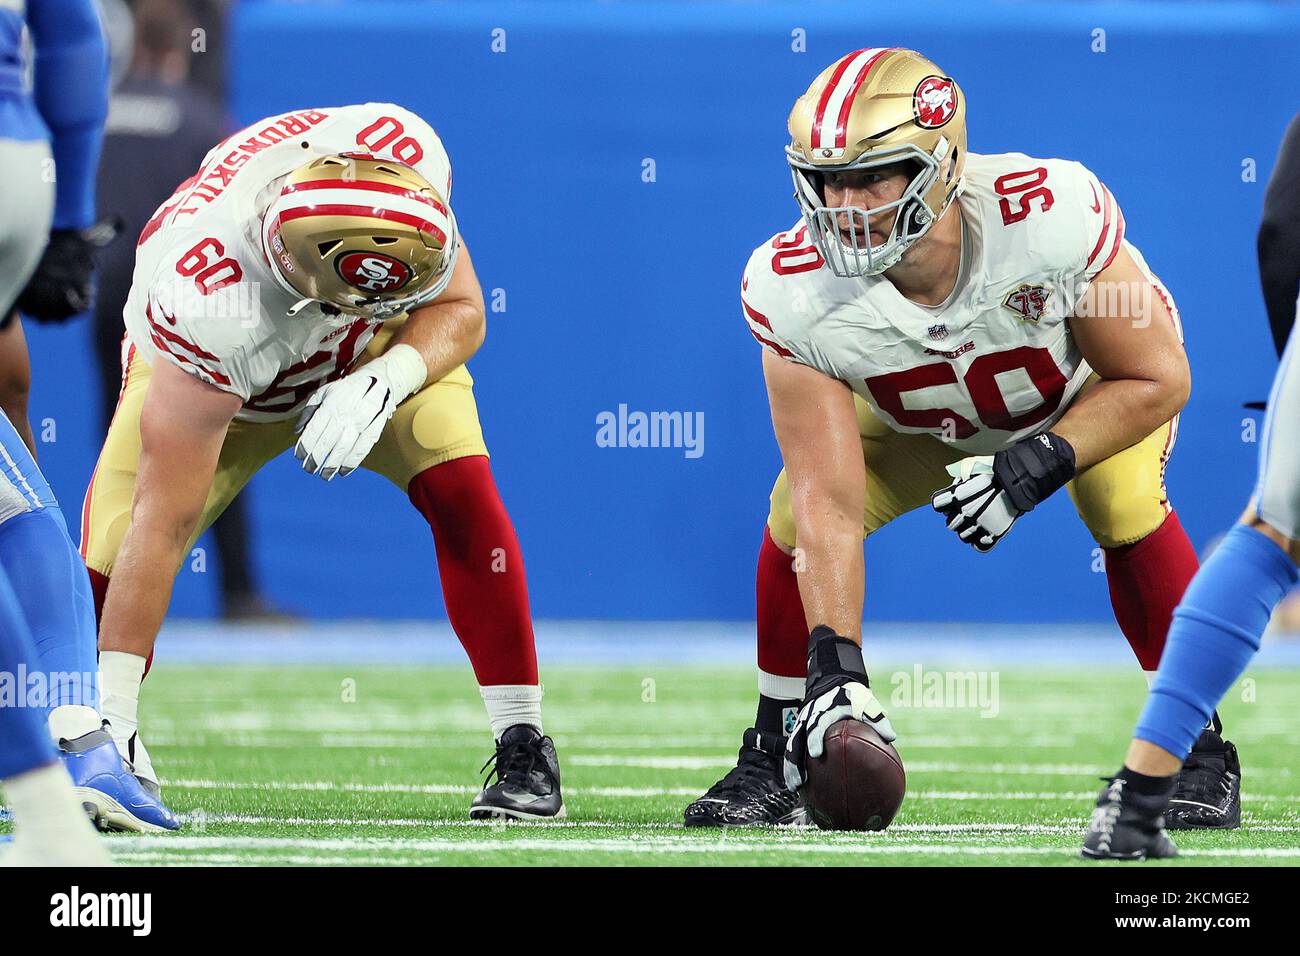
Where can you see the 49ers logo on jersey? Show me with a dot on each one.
(372, 271)
(934, 102)
(1028, 301)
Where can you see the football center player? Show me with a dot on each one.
(969, 331)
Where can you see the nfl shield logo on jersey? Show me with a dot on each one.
(938, 332)
(1028, 301)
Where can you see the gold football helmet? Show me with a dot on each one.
(871, 108)
(362, 234)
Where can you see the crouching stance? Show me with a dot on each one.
(308, 288)
(970, 332)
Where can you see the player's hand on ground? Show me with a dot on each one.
(838, 689)
(991, 493)
(63, 283)
(343, 420)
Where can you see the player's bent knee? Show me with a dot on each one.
(780, 516)
(1116, 524)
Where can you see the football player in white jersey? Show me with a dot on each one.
(969, 331)
(309, 288)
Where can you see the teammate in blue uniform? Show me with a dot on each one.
(1218, 626)
(49, 146)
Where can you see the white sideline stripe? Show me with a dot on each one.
(639, 792)
(127, 847)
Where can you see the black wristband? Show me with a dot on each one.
(831, 659)
(1033, 468)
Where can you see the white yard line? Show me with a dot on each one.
(199, 820)
(655, 844)
(912, 766)
(420, 788)
(637, 792)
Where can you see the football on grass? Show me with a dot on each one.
(858, 781)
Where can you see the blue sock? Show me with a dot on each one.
(52, 589)
(24, 740)
(1216, 631)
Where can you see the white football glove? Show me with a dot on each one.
(976, 506)
(835, 693)
(808, 738)
(342, 420)
(990, 493)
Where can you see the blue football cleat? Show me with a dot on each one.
(111, 794)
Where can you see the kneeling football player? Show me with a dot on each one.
(939, 315)
(308, 288)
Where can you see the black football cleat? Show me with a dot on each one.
(527, 773)
(753, 793)
(1127, 825)
(1208, 795)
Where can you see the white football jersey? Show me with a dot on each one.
(203, 296)
(996, 362)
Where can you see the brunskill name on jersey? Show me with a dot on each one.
(994, 364)
(203, 296)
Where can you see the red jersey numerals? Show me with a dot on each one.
(387, 133)
(794, 253)
(282, 394)
(209, 266)
(1026, 187)
(981, 385)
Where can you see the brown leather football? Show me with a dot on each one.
(857, 783)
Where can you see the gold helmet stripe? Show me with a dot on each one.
(837, 98)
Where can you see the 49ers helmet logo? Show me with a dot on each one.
(372, 271)
(934, 102)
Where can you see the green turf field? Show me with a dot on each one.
(347, 765)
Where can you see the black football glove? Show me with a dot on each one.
(837, 689)
(983, 504)
(63, 283)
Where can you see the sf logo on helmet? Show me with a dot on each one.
(934, 102)
(373, 272)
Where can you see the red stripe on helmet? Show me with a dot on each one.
(842, 121)
(347, 209)
(826, 94)
(369, 186)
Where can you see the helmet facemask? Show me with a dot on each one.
(857, 258)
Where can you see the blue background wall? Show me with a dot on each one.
(622, 291)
